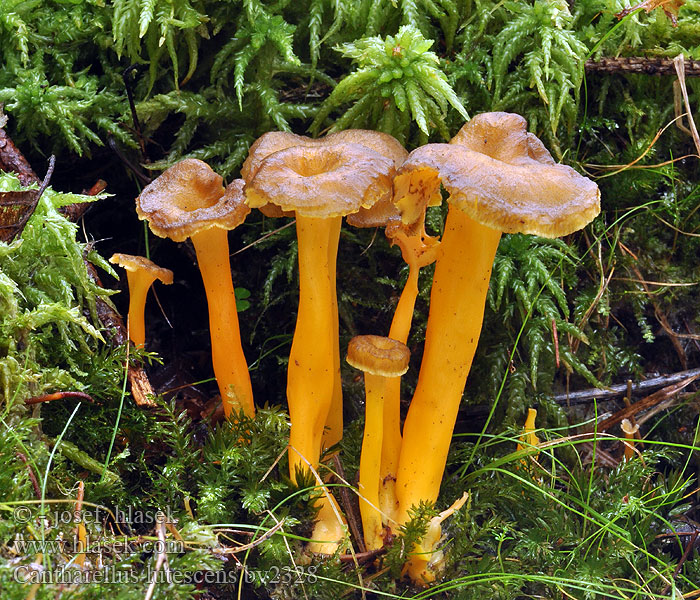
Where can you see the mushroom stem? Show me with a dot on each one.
(311, 370)
(457, 300)
(403, 315)
(391, 441)
(230, 365)
(630, 430)
(333, 431)
(370, 460)
(139, 283)
(416, 253)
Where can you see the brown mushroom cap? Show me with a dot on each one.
(190, 197)
(378, 355)
(322, 180)
(502, 177)
(383, 143)
(274, 141)
(140, 263)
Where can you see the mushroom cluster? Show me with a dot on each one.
(499, 179)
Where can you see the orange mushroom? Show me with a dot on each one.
(381, 359)
(385, 145)
(140, 275)
(320, 183)
(189, 201)
(500, 179)
(418, 250)
(630, 431)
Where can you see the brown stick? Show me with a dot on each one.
(584, 396)
(351, 509)
(640, 65)
(644, 404)
(59, 396)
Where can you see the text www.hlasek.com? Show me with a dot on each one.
(95, 546)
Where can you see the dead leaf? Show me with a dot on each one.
(670, 8)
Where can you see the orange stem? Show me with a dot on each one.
(457, 300)
(311, 370)
(230, 366)
(333, 431)
(139, 283)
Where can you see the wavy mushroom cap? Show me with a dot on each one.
(502, 177)
(383, 143)
(322, 181)
(274, 141)
(189, 197)
(502, 136)
(378, 355)
(140, 263)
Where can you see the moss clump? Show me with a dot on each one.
(50, 335)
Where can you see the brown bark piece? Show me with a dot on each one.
(11, 159)
(141, 388)
(641, 65)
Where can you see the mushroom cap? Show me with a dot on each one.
(189, 197)
(140, 263)
(378, 355)
(274, 141)
(502, 136)
(322, 180)
(628, 428)
(502, 177)
(378, 141)
(379, 215)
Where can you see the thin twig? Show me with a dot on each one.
(60, 396)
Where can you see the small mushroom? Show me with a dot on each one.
(381, 359)
(529, 438)
(630, 431)
(188, 200)
(140, 275)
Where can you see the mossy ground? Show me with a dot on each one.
(621, 297)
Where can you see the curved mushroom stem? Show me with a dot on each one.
(416, 253)
(457, 300)
(311, 371)
(230, 365)
(139, 283)
(370, 460)
(333, 431)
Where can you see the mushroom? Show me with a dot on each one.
(188, 200)
(381, 359)
(630, 431)
(385, 145)
(529, 438)
(320, 182)
(140, 274)
(500, 179)
(418, 250)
